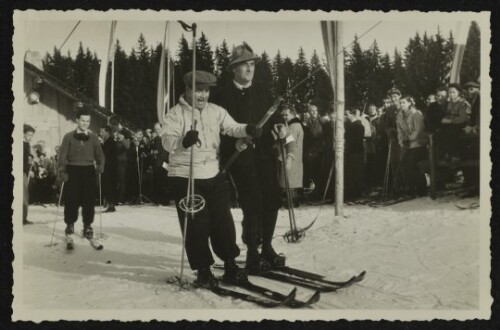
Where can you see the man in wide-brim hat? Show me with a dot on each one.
(254, 171)
(214, 222)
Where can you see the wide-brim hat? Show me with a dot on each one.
(241, 54)
(472, 84)
(202, 78)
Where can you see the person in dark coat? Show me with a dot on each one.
(470, 138)
(255, 170)
(109, 182)
(354, 156)
(28, 132)
(160, 173)
(122, 146)
(133, 170)
(80, 158)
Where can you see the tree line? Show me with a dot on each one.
(423, 66)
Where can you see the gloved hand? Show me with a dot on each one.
(62, 175)
(289, 163)
(99, 169)
(190, 138)
(240, 145)
(281, 130)
(253, 131)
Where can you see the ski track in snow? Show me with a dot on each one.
(419, 254)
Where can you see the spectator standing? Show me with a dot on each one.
(28, 132)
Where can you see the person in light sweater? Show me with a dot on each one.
(214, 222)
(80, 157)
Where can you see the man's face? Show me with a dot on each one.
(430, 99)
(372, 110)
(28, 136)
(387, 103)
(244, 72)
(201, 96)
(157, 129)
(471, 91)
(102, 133)
(148, 132)
(287, 116)
(453, 92)
(313, 111)
(441, 97)
(83, 122)
(139, 135)
(395, 99)
(405, 105)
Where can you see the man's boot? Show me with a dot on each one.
(270, 259)
(205, 279)
(234, 274)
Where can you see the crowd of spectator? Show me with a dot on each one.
(386, 151)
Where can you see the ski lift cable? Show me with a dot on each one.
(69, 35)
(320, 67)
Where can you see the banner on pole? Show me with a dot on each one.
(104, 66)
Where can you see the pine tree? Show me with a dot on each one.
(204, 54)
(263, 71)
(471, 62)
(356, 79)
(279, 80)
(319, 85)
(300, 72)
(399, 72)
(182, 66)
(221, 62)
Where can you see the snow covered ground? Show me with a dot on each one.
(418, 255)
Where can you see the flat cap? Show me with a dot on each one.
(394, 91)
(471, 84)
(202, 78)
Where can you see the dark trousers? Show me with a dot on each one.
(259, 194)
(80, 190)
(214, 222)
(416, 178)
(26, 196)
(109, 187)
(121, 180)
(353, 169)
(160, 179)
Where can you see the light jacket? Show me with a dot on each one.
(211, 121)
(411, 129)
(294, 149)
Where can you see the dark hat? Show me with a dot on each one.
(202, 78)
(394, 91)
(242, 53)
(28, 128)
(471, 84)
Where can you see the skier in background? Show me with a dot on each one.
(81, 156)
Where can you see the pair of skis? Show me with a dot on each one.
(265, 297)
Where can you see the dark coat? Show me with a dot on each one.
(354, 135)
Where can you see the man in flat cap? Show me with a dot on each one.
(214, 221)
(254, 171)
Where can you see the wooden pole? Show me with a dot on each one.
(339, 122)
(113, 79)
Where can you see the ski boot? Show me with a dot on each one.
(88, 232)
(205, 279)
(70, 229)
(271, 259)
(234, 274)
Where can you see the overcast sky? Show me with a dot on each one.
(287, 36)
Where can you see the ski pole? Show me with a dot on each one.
(100, 208)
(291, 214)
(57, 214)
